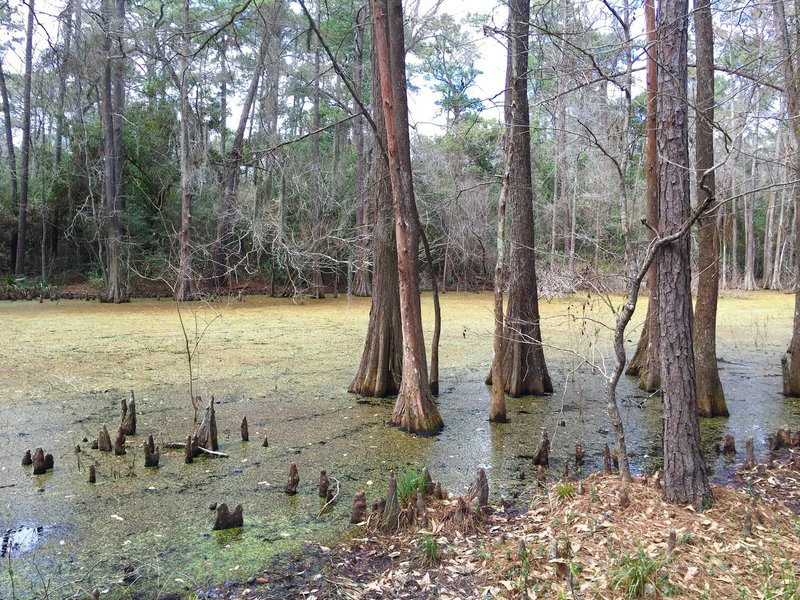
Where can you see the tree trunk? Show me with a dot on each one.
(646, 361)
(749, 208)
(224, 239)
(361, 280)
(12, 159)
(791, 360)
(685, 480)
(112, 95)
(316, 290)
(414, 410)
(381, 368)
(769, 216)
(524, 368)
(22, 215)
(184, 289)
(710, 397)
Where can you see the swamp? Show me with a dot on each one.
(285, 364)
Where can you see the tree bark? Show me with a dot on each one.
(224, 239)
(646, 361)
(316, 290)
(710, 396)
(414, 410)
(791, 360)
(112, 96)
(22, 215)
(361, 280)
(184, 290)
(685, 480)
(769, 216)
(12, 158)
(524, 368)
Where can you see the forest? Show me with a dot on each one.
(614, 229)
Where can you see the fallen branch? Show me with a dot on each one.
(181, 445)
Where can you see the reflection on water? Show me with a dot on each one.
(287, 367)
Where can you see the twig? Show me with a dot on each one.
(177, 445)
(331, 501)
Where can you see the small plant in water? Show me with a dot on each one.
(636, 575)
(430, 550)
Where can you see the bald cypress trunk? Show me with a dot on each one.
(710, 396)
(415, 410)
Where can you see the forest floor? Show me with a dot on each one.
(571, 541)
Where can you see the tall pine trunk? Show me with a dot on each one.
(685, 479)
(22, 215)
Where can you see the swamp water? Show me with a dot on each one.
(65, 366)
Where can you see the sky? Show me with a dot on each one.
(425, 115)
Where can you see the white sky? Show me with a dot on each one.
(491, 62)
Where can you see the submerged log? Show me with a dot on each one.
(479, 490)
(606, 459)
(324, 484)
(39, 467)
(359, 507)
(128, 424)
(92, 474)
(152, 453)
(27, 460)
(542, 454)
(119, 442)
(228, 520)
(293, 481)
(245, 432)
(750, 458)
(104, 440)
(207, 432)
(189, 454)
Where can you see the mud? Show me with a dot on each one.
(65, 366)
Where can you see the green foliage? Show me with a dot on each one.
(565, 490)
(430, 550)
(409, 481)
(635, 574)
